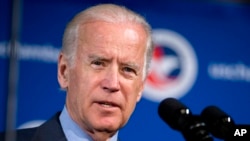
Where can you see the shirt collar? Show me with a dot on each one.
(72, 130)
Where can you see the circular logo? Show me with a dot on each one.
(174, 66)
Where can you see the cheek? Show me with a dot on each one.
(138, 89)
(132, 95)
(79, 93)
(78, 84)
(80, 77)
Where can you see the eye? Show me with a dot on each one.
(129, 70)
(97, 64)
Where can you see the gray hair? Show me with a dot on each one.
(108, 13)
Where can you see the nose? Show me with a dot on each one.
(110, 83)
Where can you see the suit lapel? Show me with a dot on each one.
(50, 131)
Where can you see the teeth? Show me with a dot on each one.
(106, 105)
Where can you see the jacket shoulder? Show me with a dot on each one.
(21, 134)
(51, 130)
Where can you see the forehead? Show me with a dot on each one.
(107, 30)
(124, 43)
(105, 35)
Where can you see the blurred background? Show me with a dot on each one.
(202, 58)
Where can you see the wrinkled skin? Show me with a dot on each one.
(106, 80)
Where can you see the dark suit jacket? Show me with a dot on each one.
(51, 130)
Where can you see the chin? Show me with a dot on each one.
(108, 126)
(107, 129)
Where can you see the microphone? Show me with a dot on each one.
(218, 122)
(180, 118)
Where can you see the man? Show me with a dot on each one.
(102, 67)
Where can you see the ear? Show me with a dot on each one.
(62, 71)
(140, 93)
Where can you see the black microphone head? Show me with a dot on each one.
(180, 118)
(174, 113)
(218, 122)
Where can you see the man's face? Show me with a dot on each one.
(106, 80)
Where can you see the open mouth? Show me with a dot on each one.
(108, 104)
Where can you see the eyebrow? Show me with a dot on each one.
(129, 64)
(132, 65)
(96, 57)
